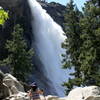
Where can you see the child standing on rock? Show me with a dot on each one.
(34, 92)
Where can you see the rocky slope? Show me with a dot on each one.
(17, 92)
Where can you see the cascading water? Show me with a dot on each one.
(48, 38)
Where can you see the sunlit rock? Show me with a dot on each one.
(86, 93)
(13, 84)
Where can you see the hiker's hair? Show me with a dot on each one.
(34, 88)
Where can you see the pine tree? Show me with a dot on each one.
(72, 44)
(82, 52)
(89, 55)
(19, 58)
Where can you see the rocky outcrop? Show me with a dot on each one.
(17, 92)
(11, 81)
(55, 10)
(86, 93)
(9, 3)
(15, 88)
(19, 96)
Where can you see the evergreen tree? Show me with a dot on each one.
(19, 58)
(89, 55)
(83, 45)
(72, 44)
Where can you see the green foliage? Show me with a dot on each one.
(72, 44)
(73, 31)
(3, 16)
(89, 55)
(19, 58)
(82, 44)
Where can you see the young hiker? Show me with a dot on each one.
(34, 92)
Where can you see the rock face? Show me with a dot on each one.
(16, 90)
(10, 3)
(86, 93)
(11, 81)
(55, 10)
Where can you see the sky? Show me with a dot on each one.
(79, 3)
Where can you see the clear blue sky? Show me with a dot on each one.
(79, 3)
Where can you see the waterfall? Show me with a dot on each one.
(48, 38)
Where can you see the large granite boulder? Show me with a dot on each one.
(13, 83)
(15, 88)
(86, 93)
(11, 88)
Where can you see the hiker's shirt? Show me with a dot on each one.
(4, 91)
(35, 96)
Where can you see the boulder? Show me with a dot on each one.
(50, 97)
(79, 93)
(13, 84)
(11, 89)
(86, 93)
(93, 91)
(19, 96)
(93, 98)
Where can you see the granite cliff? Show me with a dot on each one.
(55, 10)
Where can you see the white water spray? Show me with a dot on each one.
(48, 38)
